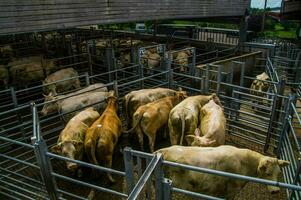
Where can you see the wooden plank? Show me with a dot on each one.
(18, 16)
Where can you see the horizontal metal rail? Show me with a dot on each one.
(104, 169)
(232, 175)
(102, 189)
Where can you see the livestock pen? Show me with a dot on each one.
(30, 171)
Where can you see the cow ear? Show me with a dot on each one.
(189, 139)
(57, 149)
(283, 163)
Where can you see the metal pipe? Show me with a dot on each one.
(102, 189)
(100, 168)
(232, 175)
(145, 176)
(194, 194)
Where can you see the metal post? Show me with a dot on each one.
(87, 78)
(40, 148)
(167, 185)
(140, 68)
(115, 87)
(89, 44)
(286, 118)
(170, 81)
(207, 74)
(242, 73)
(275, 114)
(13, 96)
(219, 78)
(169, 75)
(159, 178)
(193, 68)
(109, 59)
(129, 174)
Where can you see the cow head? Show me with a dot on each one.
(51, 106)
(269, 168)
(112, 99)
(71, 149)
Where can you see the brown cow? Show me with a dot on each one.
(138, 98)
(102, 136)
(184, 117)
(152, 116)
(212, 127)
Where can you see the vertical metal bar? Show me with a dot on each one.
(219, 78)
(159, 180)
(140, 68)
(87, 78)
(115, 87)
(168, 68)
(13, 96)
(275, 114)
(193, 68)
(89, 44)
(207, 74)
(170, 81)
(242, 73)
(203, 84)
(40, 148)
(167, 184)
(284, 124)
(109, 61)
(129, 175)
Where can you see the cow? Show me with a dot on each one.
(151, 60)
(223, 158)
(102, 136)
(184, 117)
(138, 98)
(31, 69)
(152, 116)
(181, 60)
(124, 59)
(259, 87)
(212, 127)
(76, 100)
(62, 86)
(71, 139)
(4, 76)
(6, 54)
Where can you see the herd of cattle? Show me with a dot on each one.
(195, 125)
(198, 122)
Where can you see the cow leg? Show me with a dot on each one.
(108, 163)
(139, 133)
(165, 132)
(151, 140)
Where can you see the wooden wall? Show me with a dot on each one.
(291, 10)
(18, 16)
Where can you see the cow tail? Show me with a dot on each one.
(90, 148)
(136, 123)
(183, 128)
